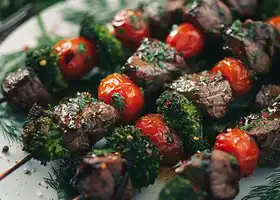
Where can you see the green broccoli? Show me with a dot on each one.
(183, 116)
(44, 62)
(110, 51)
(137, 150)
(41, 138)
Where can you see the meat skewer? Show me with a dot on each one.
(74, 130)
(49, 70)
(200, 88)
(43, 128)
(210, 16)
(215, 175)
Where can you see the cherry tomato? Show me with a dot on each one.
(131, 28)
(187, 40)
(77, 56)
(275, 21)
(119, 91)
(165, 140)
(242, 146)
(236, 73)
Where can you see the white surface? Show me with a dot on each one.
(19, 185)
(25, 187)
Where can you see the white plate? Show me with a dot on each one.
(19, 186)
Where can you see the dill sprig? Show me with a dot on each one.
(266, 192)
(9, 126)
(60, 179)
(9, 130)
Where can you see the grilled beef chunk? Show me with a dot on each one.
(264, 127)
(161, 18)
(215, 172)
(84, 122)
(210, 91)
(267, 96)
(154, 64)
(209, 15)
(22, 89)
(244, 8)
(263, 34)
(255, 43)
(101, 178)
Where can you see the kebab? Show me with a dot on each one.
(210, 16)
(50, 70)
(215, 175)
(69, 128)
(144, 66)
(142, 170)
(135, 30)
(206, 171)
(72, 127)
(206, 175)
(130, 21)
(53, 67)
(214, 90)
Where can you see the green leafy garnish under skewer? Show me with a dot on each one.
(9, 130)
(269, 191)
(60, 179)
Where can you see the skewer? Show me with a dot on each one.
(15, 166)
(81, 197)
(120, 190)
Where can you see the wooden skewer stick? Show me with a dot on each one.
(81, 197)
(15, 166)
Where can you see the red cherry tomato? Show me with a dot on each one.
(165, 140)
(130, 28)
(236, 73)
(77, 56)
(242, 146)
(119, 91)
(275, 21)
(187, 40)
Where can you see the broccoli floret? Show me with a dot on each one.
(44, 62)
(110, 50)
(137, 150)
(183, 116)
(41, 138)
